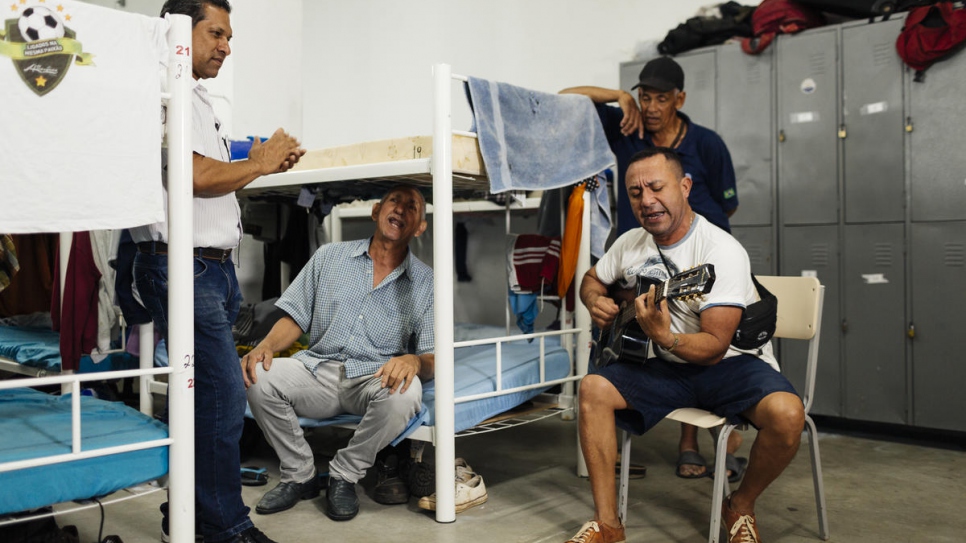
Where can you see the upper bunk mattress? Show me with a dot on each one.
(374, 166)
(34, 424)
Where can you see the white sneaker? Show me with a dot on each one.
(463, 471)
(468, 494)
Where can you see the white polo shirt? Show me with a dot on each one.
(217, 221)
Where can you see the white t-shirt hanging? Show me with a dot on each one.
(635, 254)
(80, 133)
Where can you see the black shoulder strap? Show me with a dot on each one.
(763, 292)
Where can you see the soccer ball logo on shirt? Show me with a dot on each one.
(41, 46)
(39, 23)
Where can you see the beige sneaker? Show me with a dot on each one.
(463, 471)
(468, 494)
(598, 532)
(740, 528)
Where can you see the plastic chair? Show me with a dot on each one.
(799, 317)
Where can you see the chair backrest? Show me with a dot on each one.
(799, 305)
(800, 302)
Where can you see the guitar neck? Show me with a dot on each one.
(629, 313)
(660, 291)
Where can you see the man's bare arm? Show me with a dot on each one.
(593, 294)
(213, 177)
(632, 122)
(706, 348)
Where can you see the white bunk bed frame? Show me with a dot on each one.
(180, 439)
(439, 167)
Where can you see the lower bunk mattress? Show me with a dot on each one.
(34, 424)
(475, 373)
(34, 347)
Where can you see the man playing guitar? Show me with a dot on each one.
(693, 364)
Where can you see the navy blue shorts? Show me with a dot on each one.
(654, 389)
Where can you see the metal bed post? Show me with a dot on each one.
(146, 362)
(181, 402)
(442, 169)
(65, 241)
(582, 319)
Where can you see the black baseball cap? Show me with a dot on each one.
(663, 74)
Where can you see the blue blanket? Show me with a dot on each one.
(533, 140)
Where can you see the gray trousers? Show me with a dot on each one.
(289, 391)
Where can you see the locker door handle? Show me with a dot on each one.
(842, 132)
(911, 331)
(908, 124)
(781, 136)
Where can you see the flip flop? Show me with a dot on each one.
(691, 458)
(737, 466)
(254, 476)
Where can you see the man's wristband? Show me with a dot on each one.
(677, 339)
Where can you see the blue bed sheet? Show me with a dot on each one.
(34, 424)
(475, 373)
(34, 347)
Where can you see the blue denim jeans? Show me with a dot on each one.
(219, 387)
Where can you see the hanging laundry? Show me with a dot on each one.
(8, 260)
(30, 290)
(76, 318)
(532, 262)
(570, 246)
(81, 118)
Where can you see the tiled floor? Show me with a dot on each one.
(877, 491)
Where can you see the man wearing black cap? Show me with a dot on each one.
(658, 122)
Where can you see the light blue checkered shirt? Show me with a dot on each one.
(348, 320)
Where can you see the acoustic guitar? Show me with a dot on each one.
(624, 340)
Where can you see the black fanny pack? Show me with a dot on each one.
(758, 321)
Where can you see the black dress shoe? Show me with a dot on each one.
(343, 504)
(251, 535)
(286, 495)
(390, 487)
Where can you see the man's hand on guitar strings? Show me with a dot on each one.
(654, 319)
(604, 311)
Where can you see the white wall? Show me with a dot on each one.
(367, 64)
(336, 72)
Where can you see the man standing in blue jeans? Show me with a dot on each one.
(221, 515)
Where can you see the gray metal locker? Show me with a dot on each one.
(938, 269)
(814, 250)
(937, 161)
(807, 87)
(874, 182)
(874, 339)
(759, 242)
(699, 85)
(628, 75)
(746, 125)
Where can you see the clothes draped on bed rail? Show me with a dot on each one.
(532, 263)
(535, 140)
(80, 144)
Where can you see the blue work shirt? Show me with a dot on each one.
(351, 322)
(705, 158)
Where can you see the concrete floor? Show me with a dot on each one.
(877, 491)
